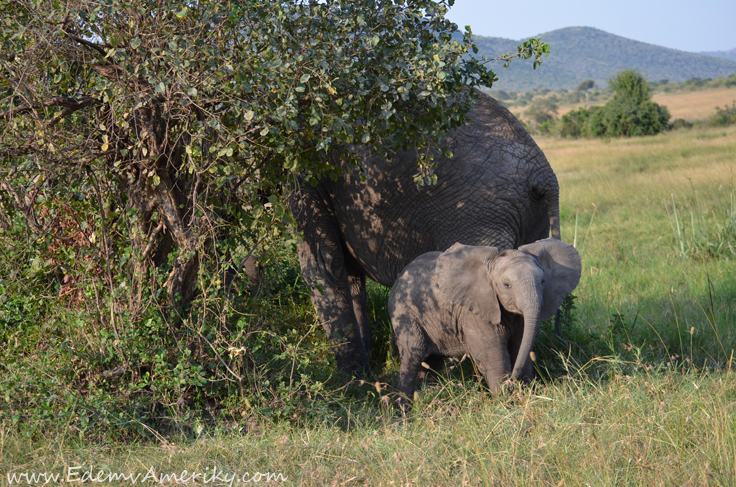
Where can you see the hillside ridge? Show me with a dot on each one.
(579, 53)
(727, 54)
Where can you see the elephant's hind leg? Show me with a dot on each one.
(360, 306)
(323, 262)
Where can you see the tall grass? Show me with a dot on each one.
(705, 240)
(653, 428)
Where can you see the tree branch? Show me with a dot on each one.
(59, 101)
(86, 43)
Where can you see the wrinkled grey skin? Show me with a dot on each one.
(498, 189)
(482, 302)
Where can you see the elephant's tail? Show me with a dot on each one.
(552, 198)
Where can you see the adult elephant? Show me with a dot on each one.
(497, 190)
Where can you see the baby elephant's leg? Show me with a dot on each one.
(429, 376)
(412, 344)
(488, 347)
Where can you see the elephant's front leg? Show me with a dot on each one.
(487, 344)
(323, 263)
(412, 345)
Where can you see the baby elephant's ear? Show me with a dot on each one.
(464, 278)
(561, 265)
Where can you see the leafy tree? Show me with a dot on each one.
(195, 112)
(585, 85)
(631, 111)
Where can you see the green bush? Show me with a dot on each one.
(149, 152)
(681, 123)
(541, 111)
(574, 124)
(724, 116)
(631, 111)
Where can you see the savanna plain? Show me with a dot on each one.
(640, 390)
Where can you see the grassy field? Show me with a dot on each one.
(641, 393)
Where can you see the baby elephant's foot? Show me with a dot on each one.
(402, 406)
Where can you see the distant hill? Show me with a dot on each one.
(731, 54)
(579, 53)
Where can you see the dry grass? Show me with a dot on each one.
(615, 198)
(696, 105)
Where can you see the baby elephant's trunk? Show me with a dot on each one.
(531, 323)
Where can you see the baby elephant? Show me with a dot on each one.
(482, 302)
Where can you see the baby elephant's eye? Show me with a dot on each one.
(542, 281)
(507, 285)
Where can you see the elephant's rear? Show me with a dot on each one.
(515, 168)
(498, 189)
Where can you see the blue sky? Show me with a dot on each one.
(705, 25)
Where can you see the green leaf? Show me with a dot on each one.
(156, 180)
(160, 87)
(305, 78)
(135, 43)
(249, 115)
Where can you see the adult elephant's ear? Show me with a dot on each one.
(464, 278)
(561, 265)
